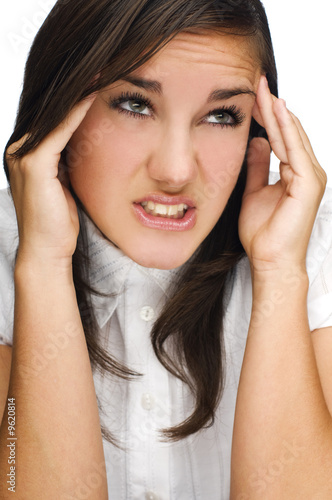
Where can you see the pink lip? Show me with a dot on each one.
(168, 200)
(164, 223)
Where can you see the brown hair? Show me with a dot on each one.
(111, 38)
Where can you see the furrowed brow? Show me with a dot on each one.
(150, 85)
(224, 94)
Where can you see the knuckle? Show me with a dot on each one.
(296, 119)
(321, 175)
(10, 151)
(324, 178)
(14, 147)
(318, 183)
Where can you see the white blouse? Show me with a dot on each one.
(198, 467)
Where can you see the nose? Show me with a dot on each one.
(173, 161)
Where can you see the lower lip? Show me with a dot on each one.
(164, 223)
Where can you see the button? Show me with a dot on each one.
(148, 402)
(151, 496)
(147, 313)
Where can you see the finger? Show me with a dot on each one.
(265, 114)
(257, 115)
(59, 137)
(305, 140)
(298, 157)
(57, 140)
(304, 160)
(43, 161)
(258, 164)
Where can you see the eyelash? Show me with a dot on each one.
(127, 96)
(235, 113)
(237, 116)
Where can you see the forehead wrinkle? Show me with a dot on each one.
(204, 44)
(232, 58)
(226, 62)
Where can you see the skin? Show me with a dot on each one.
(175, 150)
(275, 227)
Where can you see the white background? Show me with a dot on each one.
(302, 39)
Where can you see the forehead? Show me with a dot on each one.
(204, 55)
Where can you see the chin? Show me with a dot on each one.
(160, 260)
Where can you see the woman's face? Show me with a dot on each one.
(158, 154)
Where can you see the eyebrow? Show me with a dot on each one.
(216, 95)
(151, 85)
(224, 94)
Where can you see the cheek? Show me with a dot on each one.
(221, 156)
(103, 150)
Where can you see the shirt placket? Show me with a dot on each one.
(148, 403)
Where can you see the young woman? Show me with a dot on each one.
(152, 258)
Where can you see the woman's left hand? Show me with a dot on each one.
(276, 221)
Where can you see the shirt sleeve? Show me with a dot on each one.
(8, 247)
(319, 267)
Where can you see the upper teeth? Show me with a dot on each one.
(158, 208)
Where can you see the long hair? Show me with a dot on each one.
(110, 38)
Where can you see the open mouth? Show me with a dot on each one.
(164, 216)
(165, 211)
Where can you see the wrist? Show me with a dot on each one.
(279, 273)
(42, 269)
(281, 286)
(279, 298)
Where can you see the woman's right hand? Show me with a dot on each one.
(46, 212)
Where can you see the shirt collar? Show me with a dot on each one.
(109, 269)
